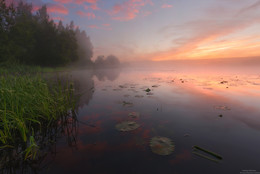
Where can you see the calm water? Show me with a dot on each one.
(184, 106)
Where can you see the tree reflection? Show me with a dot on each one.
(12, 159)
(109, 74)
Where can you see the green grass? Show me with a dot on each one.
(29, 106)
(18, 69)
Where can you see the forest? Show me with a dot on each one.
(33, 38)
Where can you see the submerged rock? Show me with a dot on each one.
(127, 126)
(134, 114)
(161, 145)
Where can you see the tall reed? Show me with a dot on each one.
(29, 105)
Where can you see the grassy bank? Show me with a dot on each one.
(31, 107)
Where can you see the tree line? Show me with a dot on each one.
(33, 38)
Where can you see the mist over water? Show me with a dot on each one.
(215, 107)
(132, 87)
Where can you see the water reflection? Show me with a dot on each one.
(109, 74)
(183, 106)
(12, 161)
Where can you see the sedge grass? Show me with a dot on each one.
(29, 106)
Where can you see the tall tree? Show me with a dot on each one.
(85, 47)
(33, 38)
(7, 21)
(22, 34)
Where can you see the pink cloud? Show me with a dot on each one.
(57, 8)
(93, 26)
(77, 1)
(106, 25)
(128, 10)
(206, 36)
(90, 15)
(94, 6)
(64, 1)
(35, 8)
(250, 8)
(147, 13)
(166, 6)
(88, 1)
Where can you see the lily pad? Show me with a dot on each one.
(149, 93)
(122, 86)
(162, 145)
(223, 82)
(224, 108)
(134, 114)
(139, 96)
(116, 89)
(148, 90)
(129, 104)
(127, 126)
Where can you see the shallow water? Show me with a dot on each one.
(217, 111)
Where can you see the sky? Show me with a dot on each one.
(157, 30)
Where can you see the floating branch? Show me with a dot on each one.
(206, 157)
(209, 152)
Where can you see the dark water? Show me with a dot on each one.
(184, 107)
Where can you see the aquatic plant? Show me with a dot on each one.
(134, 114)
(204, 156)
(147, 90)
(207, 151)
(162, 145)
(127, 126)
(129, 104)
(224, 108)
(149, 93)
(31, 106)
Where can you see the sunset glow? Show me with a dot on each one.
(164, 30)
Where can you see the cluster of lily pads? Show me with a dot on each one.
(159, 145)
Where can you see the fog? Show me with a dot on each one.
(221, 66)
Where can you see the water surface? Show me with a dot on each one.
(217, 111)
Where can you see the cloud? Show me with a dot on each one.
(106, 25)
(128, 10)
(90, 15)
(83, 1)
(100, 27)
(77, 1)
(166, 6)
(64, 1)
(57, 8)
(250, 8)
(93, 26)
(94, 7)
(211, 37)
